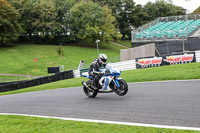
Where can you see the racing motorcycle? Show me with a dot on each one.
(109, 82)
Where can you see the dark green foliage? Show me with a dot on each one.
(162, 9)
(9, 26)
(60, 51)
(197, 11)
(39, 19)
(127, 14)
(89, 22)
(77, 21)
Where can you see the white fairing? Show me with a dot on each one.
(107, 80)
(113, 69)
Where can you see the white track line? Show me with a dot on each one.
(109, 122)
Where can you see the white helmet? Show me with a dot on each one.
(103, 58)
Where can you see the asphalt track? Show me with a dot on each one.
(173, 103)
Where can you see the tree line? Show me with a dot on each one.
(77, 21)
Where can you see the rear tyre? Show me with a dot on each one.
(89, 93)
(123, 89)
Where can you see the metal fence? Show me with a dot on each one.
(167, 19)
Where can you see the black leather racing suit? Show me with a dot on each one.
(93, 71)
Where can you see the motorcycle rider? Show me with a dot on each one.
(94, 68)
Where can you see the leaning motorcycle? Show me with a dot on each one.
(109, 82)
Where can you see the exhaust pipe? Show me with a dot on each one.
(83, 83)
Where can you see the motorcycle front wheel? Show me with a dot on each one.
(89, 93)
(123, 89)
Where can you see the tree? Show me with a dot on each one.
(38, 19)
(24, 8)
(88, 22)
(162, 9)
(127, 13)
(9, 26)
(108, 30)
(45, 23)
(63, 7)
(197, 11)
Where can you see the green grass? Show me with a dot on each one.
(175, 72)
(125, 43)
(22, 124)
(17, 59)
(12, 78)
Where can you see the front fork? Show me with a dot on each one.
(116, 83)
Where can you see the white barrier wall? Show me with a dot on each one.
(197, 56)
(130, 65)
(76, 73)
(125, 65)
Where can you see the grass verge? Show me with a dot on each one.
(126, 43)
(175, 72)
(11, 78)
(17, 59)
(25, 124)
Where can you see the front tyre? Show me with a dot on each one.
(89, 93)
(123, 89)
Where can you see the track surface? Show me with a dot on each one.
(173, 103)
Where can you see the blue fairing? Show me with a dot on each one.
(116, 81)
(115, 73)
(106, 83)
(110, 74)
(87, 76)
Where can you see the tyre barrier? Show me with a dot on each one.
(38, 81)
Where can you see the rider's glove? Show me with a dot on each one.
(103, 73)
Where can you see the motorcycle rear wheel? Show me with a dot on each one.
(89, 93)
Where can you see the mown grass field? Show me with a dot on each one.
(4, 78)
(21, 124)
(17, 59)
(125, 43)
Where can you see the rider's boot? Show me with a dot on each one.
(93, 86)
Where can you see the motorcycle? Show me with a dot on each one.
(109, 82)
